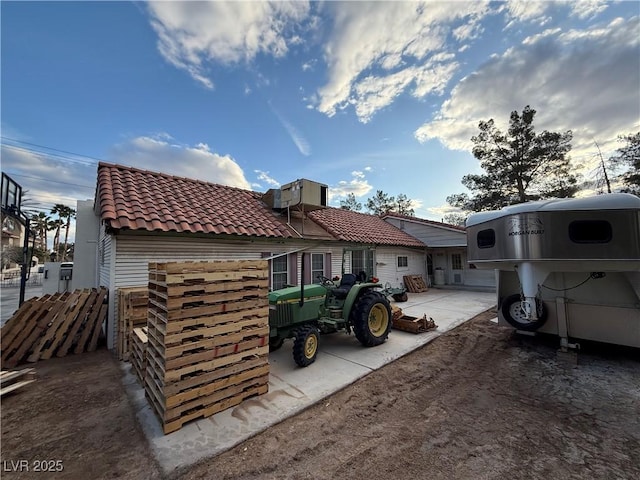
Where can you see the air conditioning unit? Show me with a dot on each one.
(304, 193)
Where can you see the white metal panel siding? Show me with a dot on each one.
(106, 266)
(431, 235)
(104, 259)
(387, 269)
(131, 262)
(479, 278)
(135, 253)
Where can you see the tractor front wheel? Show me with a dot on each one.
(305, 345)
(371, 319)
(275, 343)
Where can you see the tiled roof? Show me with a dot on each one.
(129, 198)
(362, 228)
(425, 221)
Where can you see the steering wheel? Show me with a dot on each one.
(327, 282)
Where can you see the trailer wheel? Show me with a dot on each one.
(512, 312)
(371, 319)
(275, 343)
(305, 345)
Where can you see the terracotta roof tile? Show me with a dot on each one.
(362, 228)
(135, 199)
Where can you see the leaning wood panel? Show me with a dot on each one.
(207, 338)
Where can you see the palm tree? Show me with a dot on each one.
(40, 225)
(69, 213)
(65, 214)
(56, 225)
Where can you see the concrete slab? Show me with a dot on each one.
(340, 362)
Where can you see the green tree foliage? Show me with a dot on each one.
(458, 219)
(382, 203)
(11, 254)
(403, 205)
(520, 165)
(350, 203)
(628, 156)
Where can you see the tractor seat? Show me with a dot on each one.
(347, 281)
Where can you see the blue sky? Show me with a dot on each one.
(362, 96)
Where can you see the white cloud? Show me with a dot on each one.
(268, 179)
(197, 162)
(373, 35)
(310, 65)
(587, 81)
(526, 11)
(588, 8)
(358, 185)
(47, 180)
(440, 211)
(298, 139)
(191, 34)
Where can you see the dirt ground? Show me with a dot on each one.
(478, 402)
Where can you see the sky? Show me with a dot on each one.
(361, 96)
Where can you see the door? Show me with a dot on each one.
(457, 271)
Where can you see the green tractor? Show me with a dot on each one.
(306, 311)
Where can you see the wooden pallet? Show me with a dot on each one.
(207, 337)
(11, 381)
(54, 325)
(132, 313)
(220, 401)
(415, 283)
(407, 323)
(138, 357)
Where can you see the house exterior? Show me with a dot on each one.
(446, 252)
(140, 216)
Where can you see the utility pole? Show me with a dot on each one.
(606, 177)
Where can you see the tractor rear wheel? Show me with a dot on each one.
(371, 319)
(305, 345)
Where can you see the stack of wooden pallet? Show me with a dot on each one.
(138, 356)
(415, 283)
(208, 338)
(132, 313)
(54, 325)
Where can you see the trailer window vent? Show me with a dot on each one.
(486, 238)
(590, 231)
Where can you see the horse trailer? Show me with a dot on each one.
(568, 267)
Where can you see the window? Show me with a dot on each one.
(486, 238)
(279, 272)
(362, 261)
(403, 262)
(456, 261)
(590, 231)
(317, 267)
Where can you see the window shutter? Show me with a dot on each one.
(293, 268)
(307, 268)
(327, 265)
